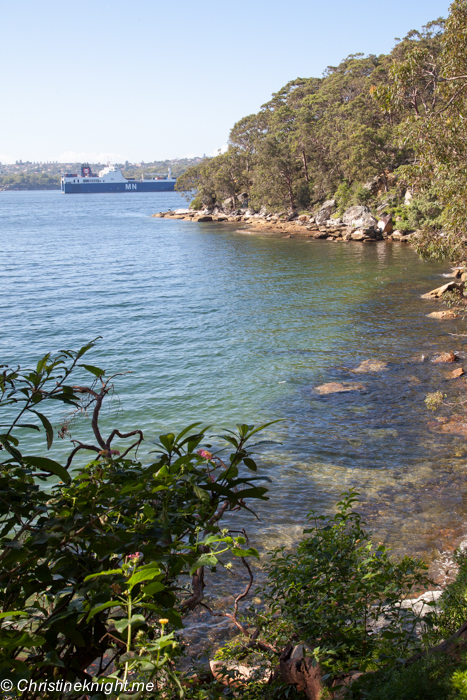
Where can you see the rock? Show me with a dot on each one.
(385, 224)
(321, 234)
(202, 219)
(408, 198)
(449, 313)
(325, 211)
(439, 291)
(359, 217)
(455, 426)
(338, 387)
(303, 217)
(183, 211)
(221, 217)
(456, 373)
(372, 366)
(242, 196)
(235, 674)
(396, 235)
(159, 215)
(359, 235)
(445, 357)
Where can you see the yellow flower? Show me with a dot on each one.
(163, 621)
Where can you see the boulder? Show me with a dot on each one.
(457, 287)
(359, 217)
(385, 224)
(445, 357)
(202, 219)
(325, 211)
(408, 198)
(321, 234)
(303, 217)
(338, 387)
(372, 366)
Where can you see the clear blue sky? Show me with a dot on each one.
(154, 79)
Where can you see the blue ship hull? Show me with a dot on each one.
(136, 186)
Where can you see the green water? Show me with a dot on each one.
(221, 326)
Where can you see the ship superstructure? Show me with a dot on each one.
(111, 179)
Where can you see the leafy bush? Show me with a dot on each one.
(196, 204)
(451, 611)
(340, 594)
(90, 567)
(435, 677)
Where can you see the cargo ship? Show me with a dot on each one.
(111, 179)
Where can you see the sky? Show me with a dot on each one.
(100, 80)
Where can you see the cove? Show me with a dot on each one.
(223, 326)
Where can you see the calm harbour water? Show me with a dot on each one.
(222, 326)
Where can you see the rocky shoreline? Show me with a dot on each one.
(356, 224)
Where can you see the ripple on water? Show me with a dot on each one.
(221, 327)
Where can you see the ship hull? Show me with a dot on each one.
(107, 187)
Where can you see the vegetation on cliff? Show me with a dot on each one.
(386, 131)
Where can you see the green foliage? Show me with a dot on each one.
(430, 82)
(30, 181)
(451, 612)
(436, 677)
(340, 594)
(434, 400)
(90, 567)
(316, 136)
(196, 203)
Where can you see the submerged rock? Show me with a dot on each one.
(445, 357)
(449, 313)
(456, 373)
(338, 387)
(457, 425)
(372, 366)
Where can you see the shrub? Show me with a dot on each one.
(435, 677)
(90, 567)
(340, 594)
(196, 203)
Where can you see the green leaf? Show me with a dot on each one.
(48, 465)
(252, 552)
(200, 493)
(48, 428)
(155, 587)
(143, 575)
(204, 560)
(9, 448)
(12, 614)
(250, 463)
(96, 371)
(100, 608)
(110, 572)
(42, 363)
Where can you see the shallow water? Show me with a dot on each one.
(221, 327)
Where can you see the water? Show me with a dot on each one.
(222, 326)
